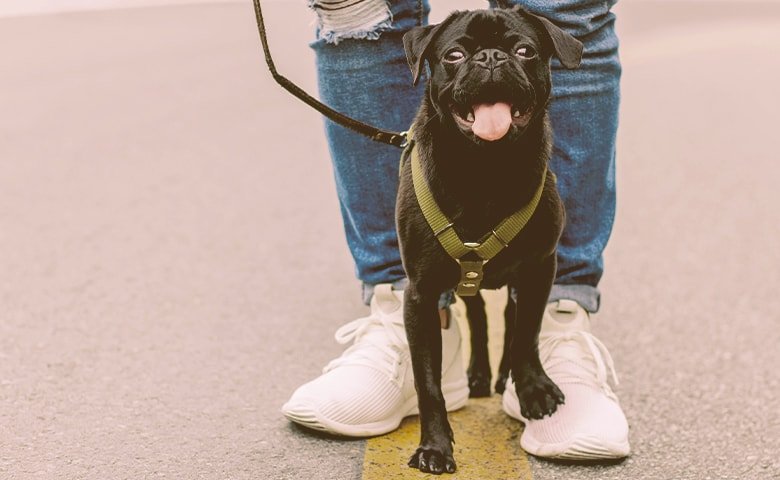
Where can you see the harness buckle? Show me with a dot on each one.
(470, 277)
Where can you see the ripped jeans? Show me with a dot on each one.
(362, 72)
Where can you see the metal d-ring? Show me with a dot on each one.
(405, 135)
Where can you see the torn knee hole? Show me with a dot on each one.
(342, 19)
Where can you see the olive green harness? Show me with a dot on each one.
(489, 246)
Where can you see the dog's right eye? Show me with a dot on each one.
(526, 52)
(454, 56)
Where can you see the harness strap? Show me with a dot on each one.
(443, 229)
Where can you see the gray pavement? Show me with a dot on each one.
(172, 264)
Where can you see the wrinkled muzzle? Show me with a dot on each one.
(490, 101)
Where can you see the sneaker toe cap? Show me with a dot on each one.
(338, 403)
(303, 411)
(590, 425)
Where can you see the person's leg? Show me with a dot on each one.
(363, 73)
(584, 115)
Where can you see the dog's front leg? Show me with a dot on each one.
(423, 329)
(479, 365)
(538, 395)
(506, 356)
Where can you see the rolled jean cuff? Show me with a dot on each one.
(445, 300)
(587, 296)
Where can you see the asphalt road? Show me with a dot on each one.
(172, 263)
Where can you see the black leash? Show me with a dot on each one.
(390, 138)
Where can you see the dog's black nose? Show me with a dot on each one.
(490, 58)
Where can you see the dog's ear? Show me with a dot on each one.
(417, 42)
(567, 48)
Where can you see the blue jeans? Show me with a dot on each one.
(362, 71)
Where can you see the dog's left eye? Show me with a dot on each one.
(454, 56)
(526, 52)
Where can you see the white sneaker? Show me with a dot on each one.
(590, 425)
(369, 389)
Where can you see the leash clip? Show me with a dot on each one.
(405, 136)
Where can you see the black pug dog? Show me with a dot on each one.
(482, 137)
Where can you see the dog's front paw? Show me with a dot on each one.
(538, 395)
(501, 381)
(431, 460)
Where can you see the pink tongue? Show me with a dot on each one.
(492, 121)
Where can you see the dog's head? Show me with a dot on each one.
(490, 69)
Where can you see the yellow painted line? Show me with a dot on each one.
(487, 441)
(487, 446)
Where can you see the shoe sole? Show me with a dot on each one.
(578, 448)
(584, 447)
(455, 396)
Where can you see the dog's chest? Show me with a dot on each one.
(533, 243)
(501, 270)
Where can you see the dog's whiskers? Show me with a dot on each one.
(433, 117)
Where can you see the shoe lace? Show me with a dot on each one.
(377, 344)
(578, 357)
